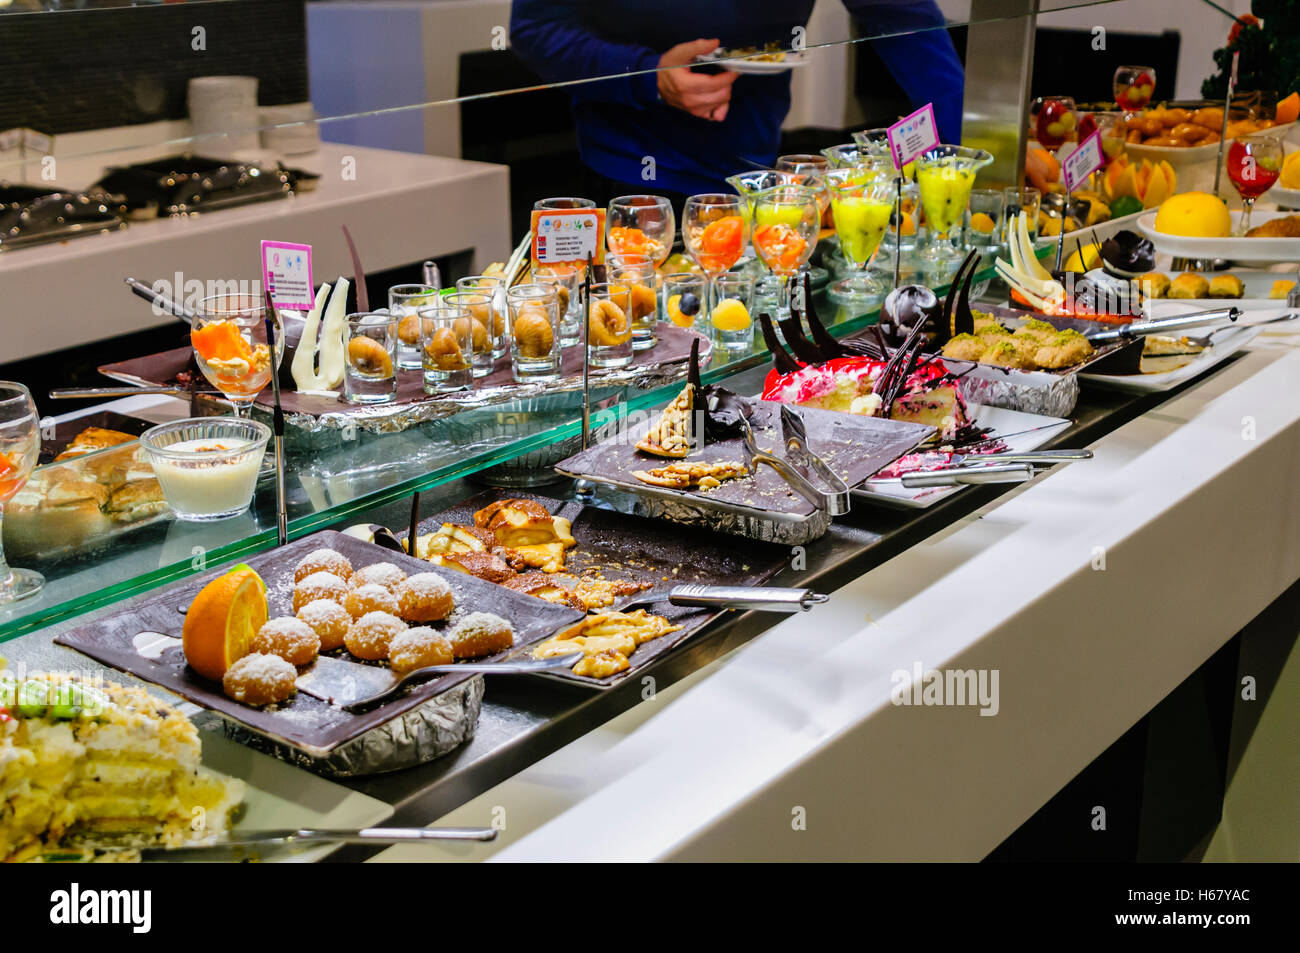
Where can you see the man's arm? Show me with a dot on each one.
(554, 38)
(924, 63)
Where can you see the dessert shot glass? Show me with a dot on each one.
(684, 294)
(403, 303)
(495, 286)
(565, 284)
(1021, 199)
(482, 322)
(984, 222)
(609, 331)
(370, 351)
(534, 333)
(730, 320)
(447, 347)
(638, 273)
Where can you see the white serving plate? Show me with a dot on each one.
(1028, 432)
(792, 60)
(280, 795)
(1226, 344)
(1240, 249)
(1287, 198)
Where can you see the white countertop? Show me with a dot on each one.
(1198, 520)
(400, 207)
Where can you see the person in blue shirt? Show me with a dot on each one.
(677, 131)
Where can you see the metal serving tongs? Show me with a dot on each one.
(827, 502)
(758, 598)
(799, 453)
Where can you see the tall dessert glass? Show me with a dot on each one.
(786, 222)
(862, 204)
(715, 231)
(230, 346)
(945, 175)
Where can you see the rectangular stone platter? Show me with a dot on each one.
(641, 550)
(303, 722)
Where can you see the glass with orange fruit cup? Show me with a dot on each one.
(984, 221)
(230, 347)
(684, 293)
(715, 231)
(640, 225)
(787, 220)
(729, 318)
(638, 273)
(20, 444)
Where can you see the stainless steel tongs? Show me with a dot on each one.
(832, 503)
(798, 452)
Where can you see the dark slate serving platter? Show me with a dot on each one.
(303, 721)
(641, 550)
(852, 445)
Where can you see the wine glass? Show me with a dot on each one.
(786, 222)
(1254, 164)
(230, 346)
(945, 176)
(1055, 119)
(641, 225)
(1134, 87)
(861, 204)
(714, 230)
(20, 444)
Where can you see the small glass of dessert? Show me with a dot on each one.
(1054, 119)
(534, 333)
(639, 273)
(641, 225)
(1017, 199)
(20, 445)
(1134, 86)
(609, 330)
(230, 347)
(370, 357)
(715, 230)
(565, 281)
(787, 220)
(207, 466)
(479, 305)
(862, 201)
(498, 328)
(945, 176)
(447, 345)
(403, 303)
(733, 327)
(684, 294)
(1254, 164)
(984, 224)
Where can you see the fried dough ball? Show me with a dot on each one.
(323, 560)
(328, 620)
(369, 598)
(367, 356)
(293, 640)
(319, 585)
(417, 648)
(424, 597)
(380, 574)
(480, 633)
(371, 635)
(259, 679)
(609, 324)
(533, 333)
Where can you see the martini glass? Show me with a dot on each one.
(714, 229)
(945, 176)
(786, 222)
(873, 140)
(20, 444)
(861, 204)
(231, 349)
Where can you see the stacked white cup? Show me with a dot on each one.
(223, 114)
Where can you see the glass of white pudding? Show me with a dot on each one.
(207, 466)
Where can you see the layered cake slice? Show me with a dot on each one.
(84, 761)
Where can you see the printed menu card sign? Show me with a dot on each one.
(568, 236)
(913, 135)
(286, 269)
(1083, 162)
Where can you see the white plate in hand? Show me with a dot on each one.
(746, 64)
(1024, 432)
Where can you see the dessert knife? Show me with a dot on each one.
(974, 460)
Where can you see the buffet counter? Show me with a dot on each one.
(790, 748)
(401, 208)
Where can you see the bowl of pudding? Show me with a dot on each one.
(207, 466)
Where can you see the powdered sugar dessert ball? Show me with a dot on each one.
(370, 598)
(323, 560)
(319, 585)
(328, 620)
(417, 648)
(260, 679)
(371, 635)
(379, 574)
(480, 633)
(424, 597)
(294, 641)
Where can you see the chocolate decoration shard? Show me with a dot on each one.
(723, 409)
(781, 359)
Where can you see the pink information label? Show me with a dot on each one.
(286, 269)
(912, 135)
(1083, 162)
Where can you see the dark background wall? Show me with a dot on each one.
(87, 69)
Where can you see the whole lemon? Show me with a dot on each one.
(1291, 172)
(1194, 215)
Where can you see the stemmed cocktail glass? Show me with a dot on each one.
(714, 229)
(787, 220)
(20, 444)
